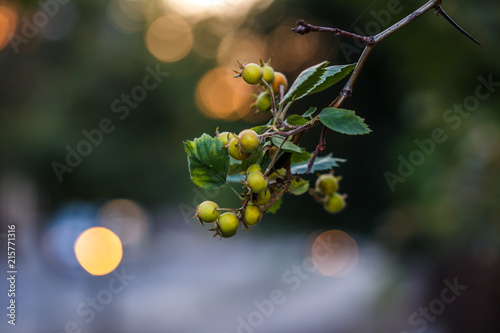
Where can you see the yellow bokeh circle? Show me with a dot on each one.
(169, 38)
(98, 250)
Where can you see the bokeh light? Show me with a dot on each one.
(334, 253)
(8, 23)
(299, 50)
(126, 219)
(241, 45)
(169, 38)
(98, 250)
(219, 95)
(224, 9)
(126, 16)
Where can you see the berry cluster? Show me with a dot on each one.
(326, 192)
(263, 158)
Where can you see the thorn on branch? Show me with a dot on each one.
(440, 11)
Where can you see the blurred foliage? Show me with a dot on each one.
(54, 89)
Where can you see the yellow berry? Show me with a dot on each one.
(257, 182)
(228, 224)
(252, 73)
(252, 168)
(334, 203)
(249, 140)
(268, 73)
(252, 214)
(264, 197)
(207, 211)
(235, 150)
(225, 137)
(327, 184)
(263, 102)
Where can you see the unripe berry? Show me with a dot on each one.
(257, 182)
(207, 211)
(334, 203)
(268, 73)
(228, 224)
(279, 79)
(249, 140)
(264, 197)
(252, 168)
(252, 73)
(327, 184)
(263, 102)
(252, 214)
(235, 150)
(225, 137)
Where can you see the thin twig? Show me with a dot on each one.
(319, 148)
(303, 28)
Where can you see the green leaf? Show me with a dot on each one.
(274, 208)
(309, 112)
(208, 161)
(320, 164)
(298, 187)
(300, 157)
(305, 82)
(287, 146)
(332, 75)
(295, 119)
(343, 121)
(261, 128)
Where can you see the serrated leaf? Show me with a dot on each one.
(309, 111)
(343, 121)
(208, 161)
(274, 208)
(295, 119)
(300, 157)
(298, 187)
(305, 82)
(320, 164)
(332, 75)
(287, 146)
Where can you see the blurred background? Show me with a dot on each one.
(96, 98)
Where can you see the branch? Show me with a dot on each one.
(303, 28)
(319, 148)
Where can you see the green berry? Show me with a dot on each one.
(249, 140)
(257, 182)
(334, 203)
(263, 102)
(268, 73)
(264, 197)
(235, 150)
(327, 184)
(228, 224)
(225, 137)
(252, 214)
(252, 73)
(207, 211)
(252, 168)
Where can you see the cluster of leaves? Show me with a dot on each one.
(280, 157)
